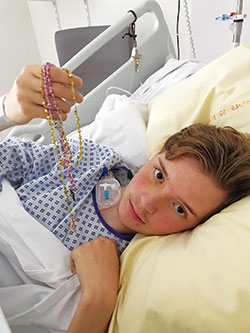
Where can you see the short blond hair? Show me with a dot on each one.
(222, 152)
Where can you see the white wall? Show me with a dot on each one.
(213, 38)
(56, 16)
(27, 28)
(18, 42)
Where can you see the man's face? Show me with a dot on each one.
(167, 196)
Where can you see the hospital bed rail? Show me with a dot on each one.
(156, 47)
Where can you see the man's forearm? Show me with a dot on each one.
(92, 315)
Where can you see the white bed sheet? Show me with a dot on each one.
(41, 289)
(166, 77)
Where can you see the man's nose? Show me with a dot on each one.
(150, 201)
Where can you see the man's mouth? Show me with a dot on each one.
(133, 213)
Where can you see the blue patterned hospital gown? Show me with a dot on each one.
(34, 172)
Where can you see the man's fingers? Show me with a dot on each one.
(66, 92)
(61, 76)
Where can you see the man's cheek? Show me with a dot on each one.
(139, 182)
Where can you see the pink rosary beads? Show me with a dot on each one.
(62, 148)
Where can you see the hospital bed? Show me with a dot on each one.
(196, 281)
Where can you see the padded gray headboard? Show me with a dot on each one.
(102, 63)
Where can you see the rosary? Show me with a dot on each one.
(61, 147)
(108, 189)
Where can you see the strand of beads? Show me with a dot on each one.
(70, 75)
(62, 147)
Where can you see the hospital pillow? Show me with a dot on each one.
(219, 94)
(199, 280)
(120, 123)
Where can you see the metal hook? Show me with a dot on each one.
(131, 29)
(131, 11)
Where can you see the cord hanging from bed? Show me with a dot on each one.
(189, 28)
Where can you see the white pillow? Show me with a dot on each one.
(167, 76)
(121, 124)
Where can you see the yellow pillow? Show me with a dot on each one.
(219, 94)
(195, 281)
(199, 280)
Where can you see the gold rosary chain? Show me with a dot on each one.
(61, 162)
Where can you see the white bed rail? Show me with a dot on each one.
(156, 47)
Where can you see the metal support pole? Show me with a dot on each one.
(237, 24)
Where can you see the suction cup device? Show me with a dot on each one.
(108, 191)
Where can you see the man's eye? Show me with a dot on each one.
(179, 210)
(158, 174)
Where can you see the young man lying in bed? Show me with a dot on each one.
(200, 170)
